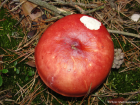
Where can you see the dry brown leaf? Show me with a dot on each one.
(28, 8)
(31, 63)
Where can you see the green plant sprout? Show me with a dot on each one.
(112, 84)
(29, 74)
(17, 70)
(2, 71)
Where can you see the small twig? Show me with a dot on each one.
(112, 4)
(34, 95)
(27, 88)
(20, 20)
(127, 68)
(17, 6)
(50, 7)
(53, 18)
(30, 97)
(3, 3)
(3, 91)
(76, 5)
(93, 10)
(89, 90)
(132, 43)
(73, 3)
(123, 33)
(26, 56)
(54, 97)
(21, 89)
(79, 9)
(127, 99)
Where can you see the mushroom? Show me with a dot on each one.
(74, 55)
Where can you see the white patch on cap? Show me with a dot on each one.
(90, 22)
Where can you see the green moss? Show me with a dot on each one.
(124, 82)
(11, 79)
(8, 29)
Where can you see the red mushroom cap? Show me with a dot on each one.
(74, 55)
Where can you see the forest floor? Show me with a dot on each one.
(21, 28)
